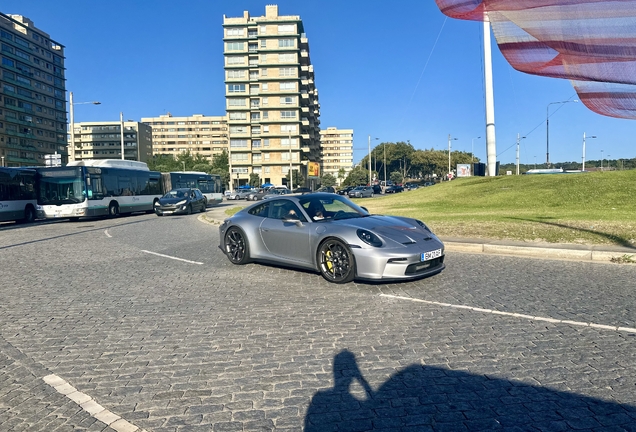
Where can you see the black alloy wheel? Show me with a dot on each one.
(336, 262)
(236, 246)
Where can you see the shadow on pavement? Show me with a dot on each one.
(425, 398)
(618, 240)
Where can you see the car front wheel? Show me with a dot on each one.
(336, 262)
(236, 246)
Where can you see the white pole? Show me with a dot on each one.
(291, 173)
(518, 139)
(491, 147)
(385, 184)
(449, 151)
(71, 153)
(583, 163)
(369, 160)
(121, 127)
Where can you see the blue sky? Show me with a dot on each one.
(398, 71)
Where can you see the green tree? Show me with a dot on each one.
(341, 174)
(255, 180)
(328, 180)
(299, 180)
(396, 177)
(357, 176)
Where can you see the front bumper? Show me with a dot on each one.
(392, 264)
(168, 210)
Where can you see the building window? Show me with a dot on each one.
(235, 32)
(238, 129)
(238, 143)
(263, 29)
(264, 72)
(286, 43)
(287, 114)
(235, 46)
(289, 57)
(235, 60)
(236, 88)
(264, 43)
(288, 128)
(265, 86)
(286, 28)
(288, 86)
(235, 73)
(288, 100)
(236, 102)
(238, 116)
(287, 71)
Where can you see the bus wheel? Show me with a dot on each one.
(29, 214)
(113, 210)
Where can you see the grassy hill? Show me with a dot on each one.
(595, 207)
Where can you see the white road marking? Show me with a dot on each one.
(90, 406)
(171, 257)
(516, 315)
(107, 235)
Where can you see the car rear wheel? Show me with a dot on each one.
(336, 262)
(189, 209)
(236, 246)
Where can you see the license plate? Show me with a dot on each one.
(426, 256)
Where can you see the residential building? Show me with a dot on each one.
(102, 140)
(271, 98)
(336, 150)
(205, 135)
(33, 99)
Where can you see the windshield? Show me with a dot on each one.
(178, 193)
(332, 208)
(61, 187)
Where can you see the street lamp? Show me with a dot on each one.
(71, 111)
(583, 164)
(291, 173)
(384, 148)
(449, 153)
(472, 150)
(547, 130)
(601, 160)
(370, 159)
(519, 138)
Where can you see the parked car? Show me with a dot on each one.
(345, 191)
(394, 189)
(261, 193)
(411, 186)
(377, 189)
(327, 189)
(329, 234)
(240, 194)
(361, 192)
(429, 184)
(181, 201)
(302, 190)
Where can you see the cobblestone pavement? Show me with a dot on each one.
(171, 345)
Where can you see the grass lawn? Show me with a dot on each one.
(590, 208)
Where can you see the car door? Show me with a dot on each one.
(285, 239)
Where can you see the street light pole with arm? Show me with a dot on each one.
(583, 163)
(449, 153)
(72, 125)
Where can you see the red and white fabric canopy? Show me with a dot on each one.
(590, 42)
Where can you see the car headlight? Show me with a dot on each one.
(369, 238)
(182, 202)
(423, 225)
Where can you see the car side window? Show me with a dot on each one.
(260, 210)
(286, 210)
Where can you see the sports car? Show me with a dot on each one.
(330, 234)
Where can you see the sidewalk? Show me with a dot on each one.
(567, 251)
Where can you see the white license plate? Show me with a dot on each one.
(426, 256)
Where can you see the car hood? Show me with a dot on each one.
(391, 229)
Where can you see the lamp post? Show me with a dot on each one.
(518, 141)
(370, 159)
(384, 148)
(547, 129)
(449, 153)
(583, 163)
(472, 150)
(291, 173)
(72, 125)
(2, 160)
(601, 160)
(535, 162)
(608, 161)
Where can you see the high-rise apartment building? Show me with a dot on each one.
(205, 135)
(271, 98)
(336, 149)
(102, 140)
(33, 99)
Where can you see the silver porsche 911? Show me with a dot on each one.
(330, 234)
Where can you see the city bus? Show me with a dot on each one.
(18, 200)
(105, 187)
(209, 184)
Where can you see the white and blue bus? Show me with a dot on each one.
(209, 184)
(18, 200)
(106, 187)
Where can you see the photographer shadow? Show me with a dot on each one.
(423, 398)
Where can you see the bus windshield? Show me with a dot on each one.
(58, 187)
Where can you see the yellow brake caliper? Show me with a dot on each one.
(329, 262)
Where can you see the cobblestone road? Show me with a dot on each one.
(172, 345)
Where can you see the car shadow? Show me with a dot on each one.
(618, 240)
(427, 398)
